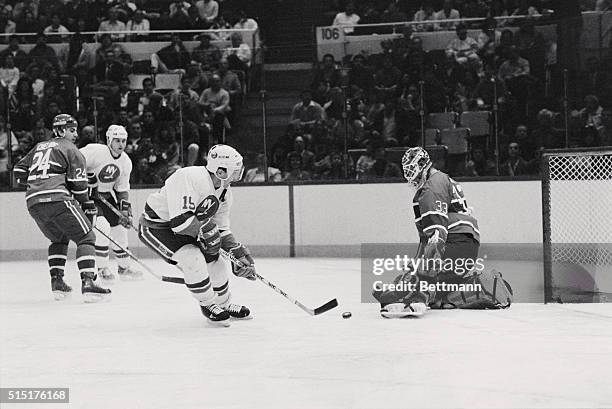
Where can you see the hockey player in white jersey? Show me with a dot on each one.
(187, 222)
(108, 172)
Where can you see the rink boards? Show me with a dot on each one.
(325, 220)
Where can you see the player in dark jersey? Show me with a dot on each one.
(448, 238)
(57, 199)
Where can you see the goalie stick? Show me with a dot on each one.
(312, 311)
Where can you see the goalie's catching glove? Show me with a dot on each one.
(247, 269)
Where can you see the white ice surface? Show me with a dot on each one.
(150, 348)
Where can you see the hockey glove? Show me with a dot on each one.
(209, 238)
(90, 210)
(92, 184)
(125, 208)
(247, 267)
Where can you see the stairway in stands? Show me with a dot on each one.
(282, 89)
(290, 29)
(290, 50)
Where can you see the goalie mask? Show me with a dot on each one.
(116, 132)
(226, 159)
(415, 162)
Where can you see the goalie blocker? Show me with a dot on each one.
(448, 232)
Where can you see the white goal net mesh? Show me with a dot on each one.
(581, 207)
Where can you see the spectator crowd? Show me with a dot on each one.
(373, 103)
(345, 124)
(115, 86)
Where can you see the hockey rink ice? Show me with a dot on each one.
(150, 347)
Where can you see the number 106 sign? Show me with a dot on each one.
(330, 34)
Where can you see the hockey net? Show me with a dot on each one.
(577, 212)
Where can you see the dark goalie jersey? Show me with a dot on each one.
(54, 171)
(440, 204)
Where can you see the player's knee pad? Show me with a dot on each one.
(104, 226)
(484, 290)
(58, 248)
(191, 261)
(120, 235)
(88, 239)
(219, 271)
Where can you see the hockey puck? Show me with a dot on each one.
(346, 315)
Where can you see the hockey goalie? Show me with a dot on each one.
(447, 233)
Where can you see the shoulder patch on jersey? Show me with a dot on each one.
(207, 208)
(109, 173)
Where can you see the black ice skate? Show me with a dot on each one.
(238, 312)
(92, 292)
(59, 288)
(129, 274)
(216, 315)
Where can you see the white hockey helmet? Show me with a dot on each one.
(228, 159)
(115, 132)
(414, 163)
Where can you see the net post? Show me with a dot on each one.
(546, 239)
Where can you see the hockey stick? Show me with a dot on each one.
(176, 280)
(316, 311)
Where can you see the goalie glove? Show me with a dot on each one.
(247, 267)
(90, 210)
(125, 208)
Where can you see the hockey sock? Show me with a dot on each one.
(57, 258)
(86, 260)
(123, 260)
(120, 235)
(222, 294)
(102, 256)
(218, 271)
(191, 260)
(102, 242)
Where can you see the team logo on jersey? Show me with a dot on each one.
(207, 208)
(109, 173)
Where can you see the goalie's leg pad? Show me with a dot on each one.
(191, 261)
(401, 310)
(407, 293)
(492, 292)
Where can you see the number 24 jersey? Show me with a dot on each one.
(54, 171)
